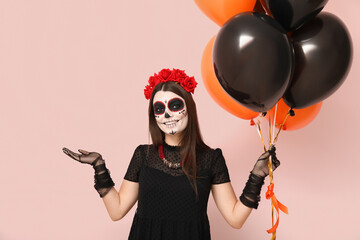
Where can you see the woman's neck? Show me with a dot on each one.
(172, 140)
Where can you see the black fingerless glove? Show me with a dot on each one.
(103, 181)
(251, 193)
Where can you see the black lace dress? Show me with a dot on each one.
(167, 206)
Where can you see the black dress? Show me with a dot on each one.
(167, 206)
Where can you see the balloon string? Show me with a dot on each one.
(281, 126)
(275, 204)
(270, 128)
(274, 122)
(273, 237)
(270, 195)
(258, 128)
(270, 173)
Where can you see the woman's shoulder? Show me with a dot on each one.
(142, 147)
(209, 154)
(142, 151)
(210, 150)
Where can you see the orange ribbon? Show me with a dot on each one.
(276, 204)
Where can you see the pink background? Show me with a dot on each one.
(72, 74)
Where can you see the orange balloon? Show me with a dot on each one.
(216, 91)
(302, 116)
(222, 10)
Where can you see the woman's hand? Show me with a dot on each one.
(103, 181)
(261, 167)
(92, 158)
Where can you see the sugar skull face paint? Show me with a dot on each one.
(170, 112)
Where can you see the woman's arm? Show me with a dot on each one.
(118, 204)
(234, 212)
(237, 211)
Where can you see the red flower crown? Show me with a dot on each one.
(165, 75)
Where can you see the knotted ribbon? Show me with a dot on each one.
(278, 205)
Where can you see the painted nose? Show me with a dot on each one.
(167, 115)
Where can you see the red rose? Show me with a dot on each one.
(189, 84)
(152, 80)
(179, 74)
(166, 75)
(148, 91)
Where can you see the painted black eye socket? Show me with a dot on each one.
(176, 104)
(159, 108)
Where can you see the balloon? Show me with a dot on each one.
(216, 91)
(291, 14)
(253, 60)
(323, 55)
(222, 10)
(302, 116)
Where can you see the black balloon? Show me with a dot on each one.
(323, 55)
(253, 60)
(293, 13)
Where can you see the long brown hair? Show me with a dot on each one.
(191, 138)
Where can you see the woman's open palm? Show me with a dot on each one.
(85, 156)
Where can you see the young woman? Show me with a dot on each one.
(171, 178)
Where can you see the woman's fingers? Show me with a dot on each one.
(264, 156)
(272, 149)
(275, 161)
(83, 151)
(71, 154)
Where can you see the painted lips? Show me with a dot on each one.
(171, 124)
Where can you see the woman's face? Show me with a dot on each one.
(170, 112)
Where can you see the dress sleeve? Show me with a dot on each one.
(133, 171)
(219, 169)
